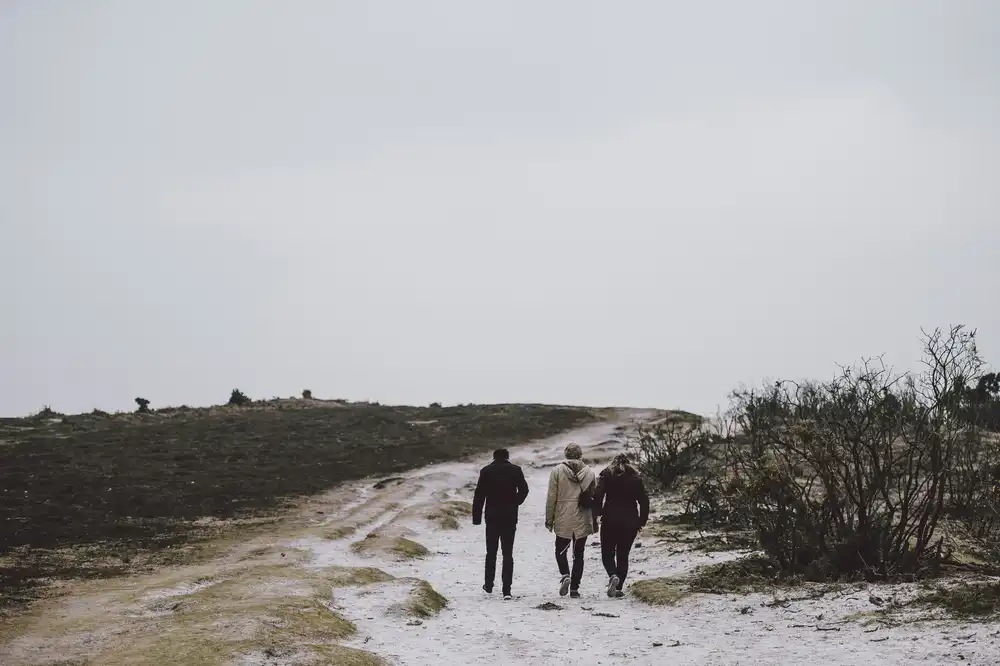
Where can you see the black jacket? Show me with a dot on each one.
(621, 499)
(502, 489)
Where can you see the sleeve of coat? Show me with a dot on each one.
(643, 504)
(550, 500)
(600, 493)
(522, 487)
(479, 499)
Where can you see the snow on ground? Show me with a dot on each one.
(477, 628)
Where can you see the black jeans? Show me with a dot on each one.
(616, 543)
(498, 534)
(562, 546)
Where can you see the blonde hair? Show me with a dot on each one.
(573, 451)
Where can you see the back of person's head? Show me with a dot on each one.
(573, 452)
(620, 464)
(501, 454)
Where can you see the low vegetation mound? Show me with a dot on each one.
(111, 485)
(448, 514)
(399, 546)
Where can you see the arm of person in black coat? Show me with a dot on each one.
(600, 493)
(643, 503)
(522, 487)
(480, 498)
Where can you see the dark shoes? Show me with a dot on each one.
(613, 586)
(507, 596)
(564, 586)
(488, 589)
(574, 594)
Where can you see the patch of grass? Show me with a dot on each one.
(970, 600)
(425, 601)
(337, 533)
(448, 523)
(683, 530)
(747, 574)
(409, 549)
(143, 479)
(351, 576)
(400, 546)
(447, 514)
(659, 591)
(338, 655)
(269, 608)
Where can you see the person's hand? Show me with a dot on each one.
(548, 526)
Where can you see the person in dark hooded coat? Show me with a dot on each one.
(501, 490)
(623, 505)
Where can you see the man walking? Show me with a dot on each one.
(623, 504)
(502, 489)
(567, 513)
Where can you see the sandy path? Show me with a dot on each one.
(476, 628)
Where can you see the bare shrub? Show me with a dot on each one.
(667, 451)
(307, 395)
(855, 474)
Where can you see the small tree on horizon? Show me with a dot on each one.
(239, 398)
(143, 405)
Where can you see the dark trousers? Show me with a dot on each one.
(497, 535)
(616, 543)
(562, 547)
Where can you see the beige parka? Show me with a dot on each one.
(563, 514)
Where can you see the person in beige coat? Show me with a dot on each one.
(564, 515)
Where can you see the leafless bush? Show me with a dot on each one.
(856, 473)
(667, 451)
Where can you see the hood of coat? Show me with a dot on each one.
(622, 470)
(620, 466)
(579, 469)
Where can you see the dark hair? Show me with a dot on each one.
(501, 454)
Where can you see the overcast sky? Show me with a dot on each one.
(629, 203)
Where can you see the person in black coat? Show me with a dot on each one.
(623, 504)
(502, 489)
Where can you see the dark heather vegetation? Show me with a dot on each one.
(873, 474)
(81, 494)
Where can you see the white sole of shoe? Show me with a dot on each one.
(564, 587)
(613, 586)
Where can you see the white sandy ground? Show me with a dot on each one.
(477, 628)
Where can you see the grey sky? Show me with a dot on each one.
(639, 203)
